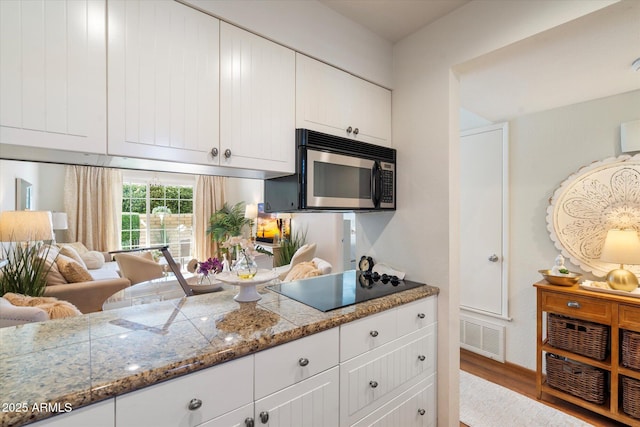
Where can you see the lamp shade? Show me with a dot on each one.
(59, 220)
(621, 247)
(22, 226)
(251, 211)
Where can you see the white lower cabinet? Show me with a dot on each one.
(312, 402)
(99, 414)
(190, 400)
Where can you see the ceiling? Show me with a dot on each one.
(585, 59)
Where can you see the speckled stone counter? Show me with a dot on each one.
(89, 358)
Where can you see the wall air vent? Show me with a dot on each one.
(482, 337)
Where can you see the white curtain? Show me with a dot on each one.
(93, 202)
(208, 197)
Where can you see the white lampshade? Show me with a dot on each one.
(621, 247)
(22, 226)
(251, 211)
(59, 220)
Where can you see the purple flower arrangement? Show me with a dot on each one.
(212, 265)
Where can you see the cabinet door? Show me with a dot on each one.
(53, 75)
(414, 408)
(219, 389)
(257, 102)
(101, 414)
(335, 102)
(312, 402)
(163, 81)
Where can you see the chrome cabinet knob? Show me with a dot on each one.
(227, 153)
(214, 152)
(264, 417)
(349, 129)
(494, 258)
(303, 361)
(573, 304)
(422, 358)
(356, 131)
(373, 333)
(373, 384)
(421, 411)
(195, 404)
(421, 316)
(249, 422)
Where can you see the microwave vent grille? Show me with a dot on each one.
(346, 146)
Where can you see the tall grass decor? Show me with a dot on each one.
(289, 246)
(26, 269)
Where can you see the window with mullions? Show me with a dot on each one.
(158, 214)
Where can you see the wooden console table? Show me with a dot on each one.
(618, 312)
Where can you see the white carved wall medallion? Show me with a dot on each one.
(601, 196)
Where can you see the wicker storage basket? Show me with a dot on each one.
(631, 397)
(576, 378)
(631, 349)
(578, 336)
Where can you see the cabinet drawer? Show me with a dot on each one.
(371, 380)
(415, 407)
(287, 364)
(416, 315)
(366, 334)
(221, 389)
(629, 317)
(577, 306)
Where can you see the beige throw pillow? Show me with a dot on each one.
(54, 277)
(68, 250)
(72, 271)
(93, 260)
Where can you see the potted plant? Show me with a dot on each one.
(227, 222)
(26, 269)
(289, 246)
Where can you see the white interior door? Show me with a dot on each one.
(483, 190)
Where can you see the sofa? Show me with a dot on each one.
(84, 278)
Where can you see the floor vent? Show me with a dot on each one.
(482, 337)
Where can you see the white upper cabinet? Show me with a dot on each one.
(53, 74)
(163, 81)
(257, 102)
(335, 102)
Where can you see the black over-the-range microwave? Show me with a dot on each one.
(335, 174)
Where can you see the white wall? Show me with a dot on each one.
(47, 181)
(545, 148)
(421, 237)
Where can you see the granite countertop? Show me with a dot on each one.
(89, 358)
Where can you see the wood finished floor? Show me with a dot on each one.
(523, 381)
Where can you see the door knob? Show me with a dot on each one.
(494, 258)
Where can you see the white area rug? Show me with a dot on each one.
(485, 404)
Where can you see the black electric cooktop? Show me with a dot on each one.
(337, 290)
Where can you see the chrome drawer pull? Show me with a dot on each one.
(195, 404)
(249, 422)
(303, 361)
(373, 333)
(373, 384)
(421, 358)
(421, 316)
(264, 417)
(573, 304)
(422, 411)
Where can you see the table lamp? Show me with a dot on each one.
(621, 247)
(251, 213)
(26, 226)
